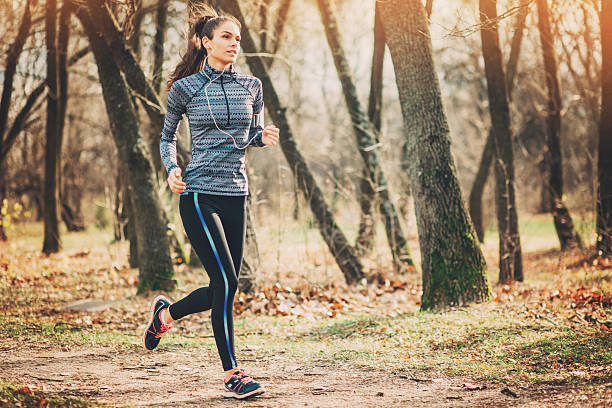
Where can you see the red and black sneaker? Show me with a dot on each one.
(156, 328)
(241, 385)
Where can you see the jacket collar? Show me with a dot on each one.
(214, 73)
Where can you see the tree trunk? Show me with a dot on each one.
(479, 185)
(12, 58)
(367, 199)
(366, 142)
(604, 167)
(158, 43)
(155, 264)
(568, 237)
(51, 243)
(62, 68)
(510, 259)
(71, 199)
(486, 158)
(454, 269)
(343, 252)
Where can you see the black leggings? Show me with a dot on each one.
(215, 226)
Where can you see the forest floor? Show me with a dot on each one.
(71, 335)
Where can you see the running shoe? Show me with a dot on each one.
(241, 385)
(155, 328)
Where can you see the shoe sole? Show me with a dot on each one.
(230, 394)
(152, 311)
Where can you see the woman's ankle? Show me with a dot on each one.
(166, 317)
(228, 373)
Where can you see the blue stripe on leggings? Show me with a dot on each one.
(214, 248)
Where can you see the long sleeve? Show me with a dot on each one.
(177, 101)
(256, 129)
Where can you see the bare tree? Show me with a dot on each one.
(475, 199)
(367, 198)
(154, 262)
(604, 192)
(454, 269)
(366, 142)
(70, 208)
(12, 58)
(510, 258)
(568, 237)
(51, 242)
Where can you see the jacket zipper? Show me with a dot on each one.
(226, 102)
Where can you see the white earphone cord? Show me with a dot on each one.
(210, 109)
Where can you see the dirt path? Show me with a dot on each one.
(189, 378)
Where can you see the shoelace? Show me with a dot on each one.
(242, 376)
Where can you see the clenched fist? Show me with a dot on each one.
(175, 181)
(270, 135)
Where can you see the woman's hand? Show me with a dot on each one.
(175, 181)
(270, 135)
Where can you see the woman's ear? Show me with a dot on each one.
(206, 42)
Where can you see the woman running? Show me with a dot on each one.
(225, 113)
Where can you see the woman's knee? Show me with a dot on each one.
(228, 281)
(232, 283)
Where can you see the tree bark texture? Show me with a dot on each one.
(604, 167)
(366, 141)
(155, 265)
(343, 252)
(567, 234)
(510, 258)
(454, 269)
(367, 198)
(51, 242)
(478, 186)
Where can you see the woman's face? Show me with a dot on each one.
(225, 44)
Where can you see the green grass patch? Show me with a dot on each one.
(68, 334)
(63, 333)
(481, 341)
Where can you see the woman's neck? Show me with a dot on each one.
(218, 64)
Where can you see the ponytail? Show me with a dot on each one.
(202, 23)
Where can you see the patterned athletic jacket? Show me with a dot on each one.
(216, 166)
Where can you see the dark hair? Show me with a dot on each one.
(203, 21)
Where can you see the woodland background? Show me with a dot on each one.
(83, 98)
